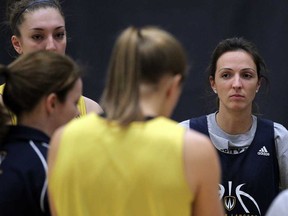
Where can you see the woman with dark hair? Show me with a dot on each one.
(253, 151)
(42, 90)
(135, 161)
(40, 25)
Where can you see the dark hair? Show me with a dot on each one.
(235, 44)
(139, 56)
(17, 9)
(32, 76)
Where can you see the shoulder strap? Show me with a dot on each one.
(199, 124)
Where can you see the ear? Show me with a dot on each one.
(16, 44)
(212, 83)
(50, 103)
(174, 84)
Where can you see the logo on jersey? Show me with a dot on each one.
(263, 151)
(230, 201)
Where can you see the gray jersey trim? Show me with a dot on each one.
(44, 163)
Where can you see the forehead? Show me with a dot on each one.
(238, 58)
(43, 18)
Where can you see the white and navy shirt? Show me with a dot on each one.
(23, 172)
(253, 164)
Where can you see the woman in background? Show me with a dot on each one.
(253, 151)
(40, 25)
(42, 89)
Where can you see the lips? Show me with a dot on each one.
(236, 96)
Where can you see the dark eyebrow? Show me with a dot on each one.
(41, 29)
(250, 69)
(221, 69)
(244, 69)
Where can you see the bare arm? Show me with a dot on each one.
(52, 154)
(203, 174)
(92, 106)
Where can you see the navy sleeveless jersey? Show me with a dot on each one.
(250, 180)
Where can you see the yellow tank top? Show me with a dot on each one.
(103, 169)
(81, 107)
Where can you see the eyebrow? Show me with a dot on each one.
(42, 29)
(240, 70)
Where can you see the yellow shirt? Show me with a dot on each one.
(104, 169)
(81, 107)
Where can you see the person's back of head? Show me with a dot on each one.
(140, 55)
(32, 76)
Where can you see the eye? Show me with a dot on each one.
(37, 37)
(247, 76)
(60, 35)
(225, 75)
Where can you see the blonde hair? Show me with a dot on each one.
(142, 55)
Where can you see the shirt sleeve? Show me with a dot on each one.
(185, 123)
(281, 142)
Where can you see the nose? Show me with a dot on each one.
(237, 83)
(50, 45)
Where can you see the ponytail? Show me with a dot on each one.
(139, 56)
(120, 99)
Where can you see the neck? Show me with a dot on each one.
(234, 123)
(37, 121)
(149, 108)
(151, 102)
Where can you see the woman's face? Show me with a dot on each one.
(42, 29)
(236, 81)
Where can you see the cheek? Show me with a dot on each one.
(69, 112)
(62, 47)
(72, 111)
(29, 47)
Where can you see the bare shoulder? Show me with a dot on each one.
(199, 146)
(199, 154)
(202, 169)
(92, 106)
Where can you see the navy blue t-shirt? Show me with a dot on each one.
(23, 169)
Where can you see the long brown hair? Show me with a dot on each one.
(34, 75)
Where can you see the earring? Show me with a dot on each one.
(215, 91)
(256, 90)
